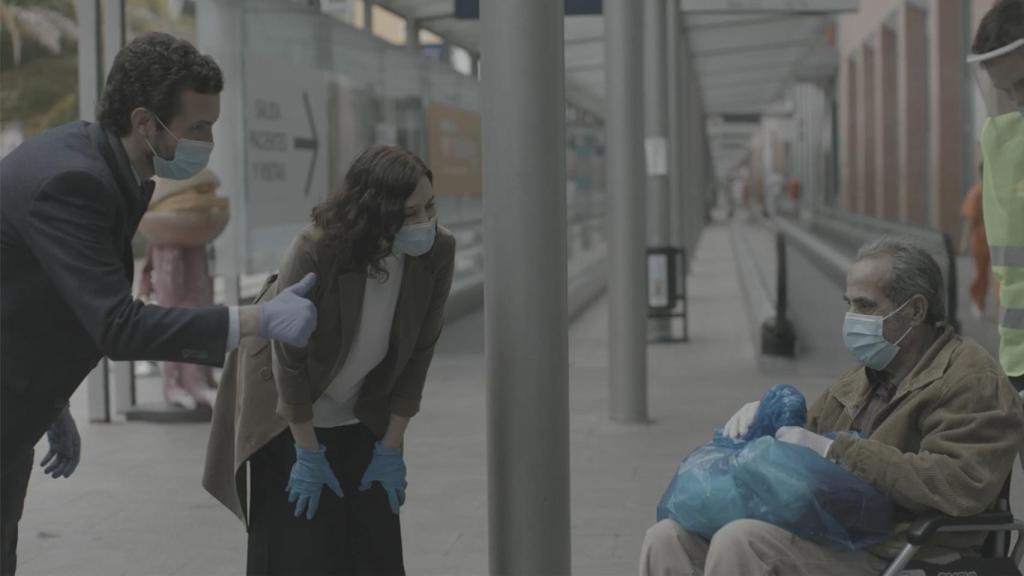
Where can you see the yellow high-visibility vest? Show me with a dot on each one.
(1002, 145)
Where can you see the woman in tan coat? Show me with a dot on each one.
(321, 428)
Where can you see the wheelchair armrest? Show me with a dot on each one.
(925, 527)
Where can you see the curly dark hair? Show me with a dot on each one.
(1002, 25)
(151, 72)
(362, 218)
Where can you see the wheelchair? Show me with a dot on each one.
(997, 558)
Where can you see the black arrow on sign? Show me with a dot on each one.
(309, 143)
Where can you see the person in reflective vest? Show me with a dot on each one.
(997, 60)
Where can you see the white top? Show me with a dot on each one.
(336, 407)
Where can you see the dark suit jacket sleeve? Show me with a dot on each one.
(70, 228)
(408, 390)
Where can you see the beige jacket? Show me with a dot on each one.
(267, 385)
(946, 442)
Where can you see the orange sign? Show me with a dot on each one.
(453, 148)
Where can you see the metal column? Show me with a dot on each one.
(113, 40)
(113, 33)
(89, 82)
(626, 212)
(655, 121)
(221, 34)
(703, 161)
(368, 15)
(694, 157)
(89, 62)
(686, 160)
(412, 34)
(525, 288)
(685, 145)
(805, 96)
(656, 142)
(673, 47)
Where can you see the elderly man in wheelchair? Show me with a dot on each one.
(929, 418)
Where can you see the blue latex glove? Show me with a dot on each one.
(290, 317)
(65, 447)
(310, 473)
(388, 468)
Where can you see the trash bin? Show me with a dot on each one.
(666, 288)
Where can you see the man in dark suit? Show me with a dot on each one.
(72, 199)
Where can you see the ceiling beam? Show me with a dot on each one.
(741, 119)
(785, 6)
(584, 67)
(754, 21)
(741, 81)
(733, 110)
(584, 40)
(435, 17)
(764, 94)
(784, 45)
(735, 131)
(711, 72)
(747, 95)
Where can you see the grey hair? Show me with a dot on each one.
(914, 271)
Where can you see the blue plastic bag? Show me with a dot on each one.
(781, 406)
(783, 484)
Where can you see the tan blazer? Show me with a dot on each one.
(946, 441)
(267, 384)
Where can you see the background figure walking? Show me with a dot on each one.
(978, 244)
(184, 217)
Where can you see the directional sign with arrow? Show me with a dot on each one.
(308, 143)
(285, 122)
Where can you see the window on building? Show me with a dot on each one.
(428, 38)
(38, 68)
(388, 26)
(462, 61)
(177, 17)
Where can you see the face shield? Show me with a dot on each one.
(999, 75)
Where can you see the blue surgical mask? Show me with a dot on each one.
(190, 157)
(416, 239)
(864, 338)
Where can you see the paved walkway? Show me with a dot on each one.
(135, 506)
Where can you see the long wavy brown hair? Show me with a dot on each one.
(362, 217)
